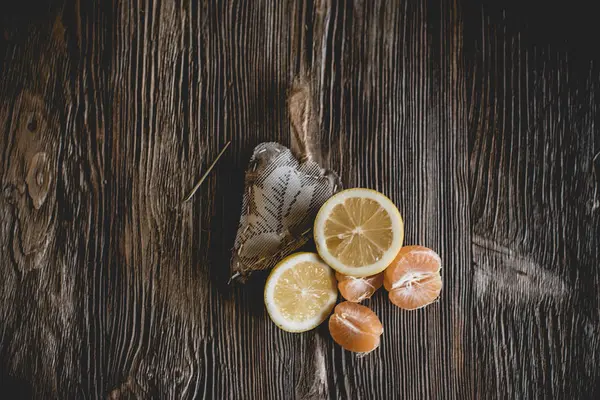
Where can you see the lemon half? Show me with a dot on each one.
(300, 292)
(358, 232)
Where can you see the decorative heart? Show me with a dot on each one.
(281, 199)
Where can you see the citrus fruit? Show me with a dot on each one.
(300, 292)
(358, 289)
(413, 279)
(355, 327)
(358, 232)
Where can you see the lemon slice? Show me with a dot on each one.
(300, 292)
(358, 232)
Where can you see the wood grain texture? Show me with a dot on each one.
(482, 129)
(533, 136)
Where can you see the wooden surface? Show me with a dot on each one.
(480, 121)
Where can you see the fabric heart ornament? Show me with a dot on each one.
(283, 192)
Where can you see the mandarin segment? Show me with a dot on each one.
(358, 289)
(354, 327)
(419, 294)
(413, 278)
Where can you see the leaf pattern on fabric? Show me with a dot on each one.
(281, 199)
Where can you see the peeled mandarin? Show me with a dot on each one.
(413, 278)
(355, 327)
(358, 289)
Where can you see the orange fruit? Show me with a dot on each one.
(355, 327)
(358, 289)
(413, 278)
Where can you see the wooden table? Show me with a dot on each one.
(480, 122)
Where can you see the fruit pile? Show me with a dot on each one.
(358, 233)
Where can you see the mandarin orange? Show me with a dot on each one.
(354, 327)
(413, 279)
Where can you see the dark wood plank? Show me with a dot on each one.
(534, 143)
(111, 287)
(51, 233)
(395, 121)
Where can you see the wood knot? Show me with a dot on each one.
(11, 194)
(125, 391)
(32, 123)
(179, 376)
(320, 6)
(38, 179)
(302, 119)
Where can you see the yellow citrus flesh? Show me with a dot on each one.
(358, 232)
(300, 292)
